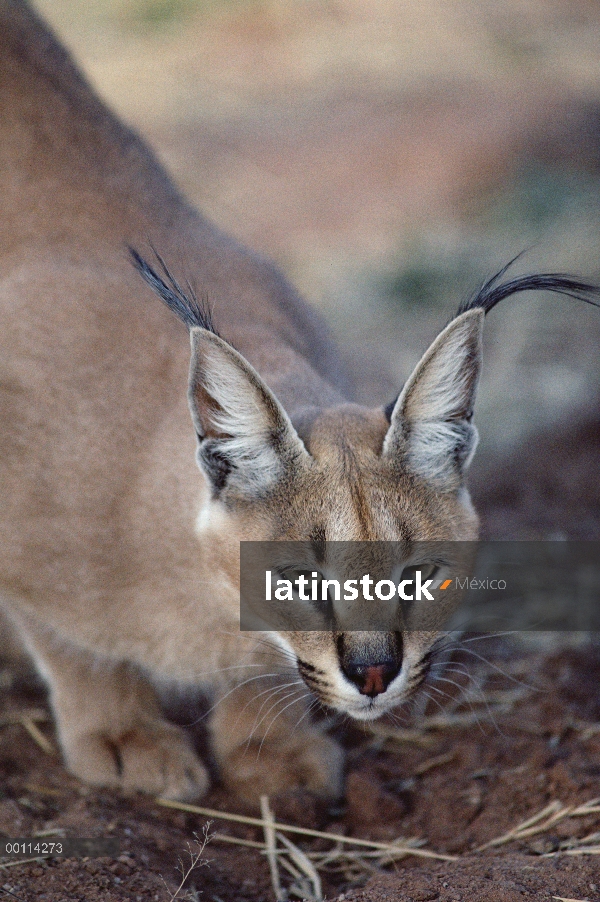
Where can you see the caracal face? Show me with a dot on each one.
(345, 489)
(344, 474)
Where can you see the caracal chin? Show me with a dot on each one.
(121, 515)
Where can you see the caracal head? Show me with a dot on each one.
(346, 473)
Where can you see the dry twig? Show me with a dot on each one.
(36, 734)
(308, 880)
(196, 861)
(269, 832)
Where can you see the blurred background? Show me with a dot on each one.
(390, 155)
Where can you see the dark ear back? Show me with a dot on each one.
(431, 432)
(246, 439)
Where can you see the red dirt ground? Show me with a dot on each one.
(500, 757)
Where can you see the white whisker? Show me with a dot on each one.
(272, 692)
(266, 714)
(432, 699)
(310, 708)
(468, 700)
(279, 713)
(259, 676)
(508, 676)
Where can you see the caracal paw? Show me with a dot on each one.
(311, 761)
(155, 758)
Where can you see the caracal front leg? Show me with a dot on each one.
(109, 723)
(265, 743)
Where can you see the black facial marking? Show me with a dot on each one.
(421, 672)
(309, 668)
(215, 463)
(312, 676)
(317, 541)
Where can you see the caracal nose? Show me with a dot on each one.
(372, 679)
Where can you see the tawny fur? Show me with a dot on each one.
(118, 561)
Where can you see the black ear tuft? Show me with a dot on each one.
(185, 305)
(493, 291)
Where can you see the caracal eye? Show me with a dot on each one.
(428, 571)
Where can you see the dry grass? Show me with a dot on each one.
(544, 820)
(400, 847)
(353, 858)
(29, 721)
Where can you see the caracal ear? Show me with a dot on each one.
(430, 432)
(246, 441)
